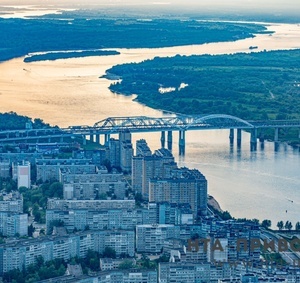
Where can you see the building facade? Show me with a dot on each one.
(20, 254)
(49, 169)
(185, 186)
(12, 224)
(150, 238)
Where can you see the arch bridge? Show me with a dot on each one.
(139, 124)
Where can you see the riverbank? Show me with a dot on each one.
(78, 32)
(69, 91)
(255, 86)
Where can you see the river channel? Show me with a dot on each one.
(264, 184)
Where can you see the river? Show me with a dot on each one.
(263, 184)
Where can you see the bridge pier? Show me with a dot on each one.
(276, 135)
(239, 138)
(84, 140)
(231, 136)
(106, 139)
(262, 139)
(61, 139)
(163, 139)
(262, 136)
(276, 139)
(181, 142)
(170, 138)
(97, 138)
(91, 138)
(253, 140)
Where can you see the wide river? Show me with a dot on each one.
(264, 184)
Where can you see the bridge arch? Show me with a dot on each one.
(180, 121)
(221, 120)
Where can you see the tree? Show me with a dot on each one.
(138, 198)
(288, 225)
(297, 226)
(280, 225)
(55, 223)
(123, 255)
(31, 229)
(163, 258)
(56, 190)
(145, 261)
(37, 216)
(39, 261)
(109, 252)
(91, 260)
(107, 164)
(126, 264)
(266, 223)
(225, 215)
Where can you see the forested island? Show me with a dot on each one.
(51, 56)
(76, 32)
(260, 86)
(263, 85)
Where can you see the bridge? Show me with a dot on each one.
(140, 124)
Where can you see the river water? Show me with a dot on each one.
(263, 184)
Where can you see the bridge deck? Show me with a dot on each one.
(139, 124)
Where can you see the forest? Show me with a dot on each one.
(20, 37)
(65, 55)
(263, 85)
(13, 121)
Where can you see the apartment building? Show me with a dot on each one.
(65, 205)
(49, 169)
(150, 238)
(21, 253)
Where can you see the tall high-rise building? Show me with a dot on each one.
(142, 150)
(121, 151)
(126, 156)
(126, 151)
(153, 167)
(185, 186)
(146, 166)
(137, 173)
(114, 152)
